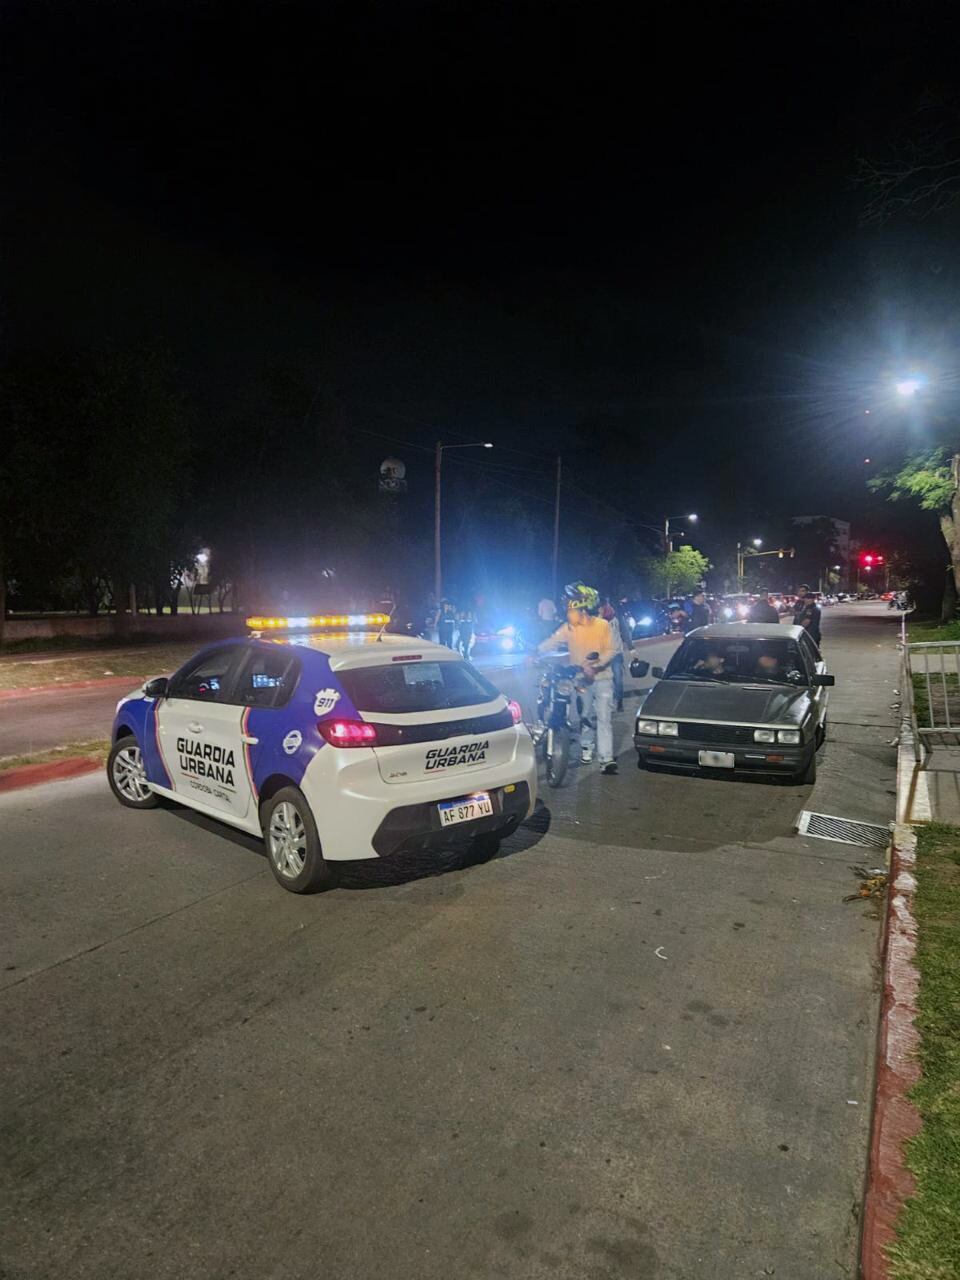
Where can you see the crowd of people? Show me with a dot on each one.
(598, 637)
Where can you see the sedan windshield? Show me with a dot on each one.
(738, 661)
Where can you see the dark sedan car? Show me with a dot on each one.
(744, 696)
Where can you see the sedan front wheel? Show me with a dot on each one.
(127, 775)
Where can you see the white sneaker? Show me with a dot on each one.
(586, 755)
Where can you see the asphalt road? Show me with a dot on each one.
(637, 1044)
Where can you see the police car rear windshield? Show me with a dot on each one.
(416, 686)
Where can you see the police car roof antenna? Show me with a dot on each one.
(393, 609)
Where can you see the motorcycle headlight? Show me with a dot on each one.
(648, 726)
(791, 736)
(669, 728)
(764, 735)
(565, 688)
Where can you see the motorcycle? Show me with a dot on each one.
(551, 732)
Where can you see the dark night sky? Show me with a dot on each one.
(556, 225)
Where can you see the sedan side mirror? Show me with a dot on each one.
(639, 668)
(824, 681)
(657, 673)
(156, 688)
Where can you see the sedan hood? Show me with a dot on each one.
(726, 703)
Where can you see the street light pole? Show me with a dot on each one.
(437, 495)
(556, 527)
(437, 574)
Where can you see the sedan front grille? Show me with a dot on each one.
(730, 733)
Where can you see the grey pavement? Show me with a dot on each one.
(637, 1044)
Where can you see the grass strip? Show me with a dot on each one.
(928, 1233)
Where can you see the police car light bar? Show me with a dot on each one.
(320, 622)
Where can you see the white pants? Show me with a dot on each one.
(596, 719)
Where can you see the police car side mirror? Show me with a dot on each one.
(824, 681)
(156, 688)
(639, 668)
(657, 673)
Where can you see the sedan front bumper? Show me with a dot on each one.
(756, 758)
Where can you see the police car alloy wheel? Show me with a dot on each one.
(293, 846)
(128, 779)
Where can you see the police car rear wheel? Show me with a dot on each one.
(293, 846)
(127, 776)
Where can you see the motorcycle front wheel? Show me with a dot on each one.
(558, 756)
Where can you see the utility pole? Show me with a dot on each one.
(437, 475)
(556, 527)
(667, 543)
(437, 574)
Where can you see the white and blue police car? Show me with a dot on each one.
(333, 740)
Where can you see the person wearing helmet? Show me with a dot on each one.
(591, 647)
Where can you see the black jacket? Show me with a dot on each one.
(763, 611)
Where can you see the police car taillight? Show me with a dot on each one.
(515, 710)
(348, 733)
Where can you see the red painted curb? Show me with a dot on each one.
(31, 775)
(895, 1119)
(132, 682)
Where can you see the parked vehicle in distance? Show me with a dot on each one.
(736, 607)
(646, 618)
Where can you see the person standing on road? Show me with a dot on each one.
(465, 633)
(622, 645)
(698, 615)
(448, 624)
(763, 611)
(799, 607)
(808, 617)
(547, 616)
(590, 645)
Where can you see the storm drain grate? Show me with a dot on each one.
(825, 826)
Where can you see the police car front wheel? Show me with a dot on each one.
(127, 776)
(293, 846)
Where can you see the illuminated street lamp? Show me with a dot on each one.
(667, 540)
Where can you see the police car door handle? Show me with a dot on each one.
(195, 727)
(251, 742)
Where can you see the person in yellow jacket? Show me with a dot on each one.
(591, 646)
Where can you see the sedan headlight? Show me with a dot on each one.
(764, 735)
(790, 736)
(665, 728)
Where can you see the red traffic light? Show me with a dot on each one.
(870, 557)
